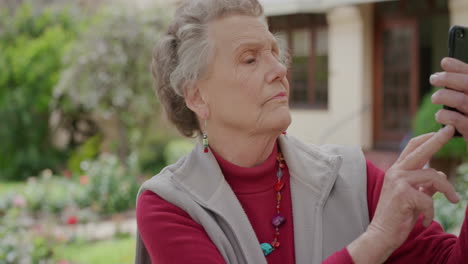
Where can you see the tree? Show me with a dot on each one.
(108, 79)
(32, 42)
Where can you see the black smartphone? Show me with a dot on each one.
(458, 49)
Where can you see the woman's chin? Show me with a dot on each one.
(281, 120)
(286, 123)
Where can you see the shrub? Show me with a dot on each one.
(18, 244)
(151, 156)
(89, 150)
(106, 187)
(112, 187)
(48, 194)
(176, 149)
(425, 122)
(450, 215)
(31, 44)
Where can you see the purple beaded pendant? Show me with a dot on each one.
(278, 220)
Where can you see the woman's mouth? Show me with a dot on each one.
(280, 95)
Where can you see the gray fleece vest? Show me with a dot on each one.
(328, 192)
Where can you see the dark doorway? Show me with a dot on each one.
(410, 40)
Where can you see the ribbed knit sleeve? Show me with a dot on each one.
(424, 245)
(170, 235)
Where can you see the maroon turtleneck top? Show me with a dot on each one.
(171, 236)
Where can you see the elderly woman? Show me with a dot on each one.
(250, 193)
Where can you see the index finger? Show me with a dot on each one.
(454, 65)
(422, 154)
(413, 144)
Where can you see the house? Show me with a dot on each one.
(360, 67)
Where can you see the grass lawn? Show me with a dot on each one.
(5, 187)
(116, 251)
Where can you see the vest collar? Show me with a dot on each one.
(201, 175)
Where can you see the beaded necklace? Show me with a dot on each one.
(278, 219)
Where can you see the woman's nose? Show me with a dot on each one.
(277, 71)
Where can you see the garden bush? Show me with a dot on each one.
(50, 194)
(425, 122)
(89, 150)
(32, 43)
(45, 195)
(449, 215)
(175, 149)
(19, 243)
(107, 78)
(111, 187)
(105, 188)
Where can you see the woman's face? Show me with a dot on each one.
(246, 88)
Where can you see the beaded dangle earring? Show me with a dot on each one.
(205, 140)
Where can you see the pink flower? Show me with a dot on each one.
(84, 179)
(72, 220)
(19, 201)
(63, 262)
(38, 228)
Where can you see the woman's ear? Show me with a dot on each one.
(196, 102)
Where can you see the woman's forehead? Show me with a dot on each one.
(236, 31)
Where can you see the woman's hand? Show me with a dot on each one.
(456, 78)
(406, 193)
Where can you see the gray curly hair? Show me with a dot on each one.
(182, 55)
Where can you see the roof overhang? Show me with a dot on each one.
(286, 7)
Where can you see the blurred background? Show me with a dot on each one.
(81, 127)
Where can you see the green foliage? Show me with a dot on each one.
(108, 78)
(450, 215)
(49, 194)
(18, 244)
(31, 44)
(176, 149)
(23, 240)
(424, 122)
(151, 156)
(87, 151)
(6, 187)
(107, 187)
(112, 188)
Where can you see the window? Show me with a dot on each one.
(306, 37)
(300, 66)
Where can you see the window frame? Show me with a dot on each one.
(312, 23)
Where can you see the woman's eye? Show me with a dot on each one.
(276, 54)
(251, 61)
